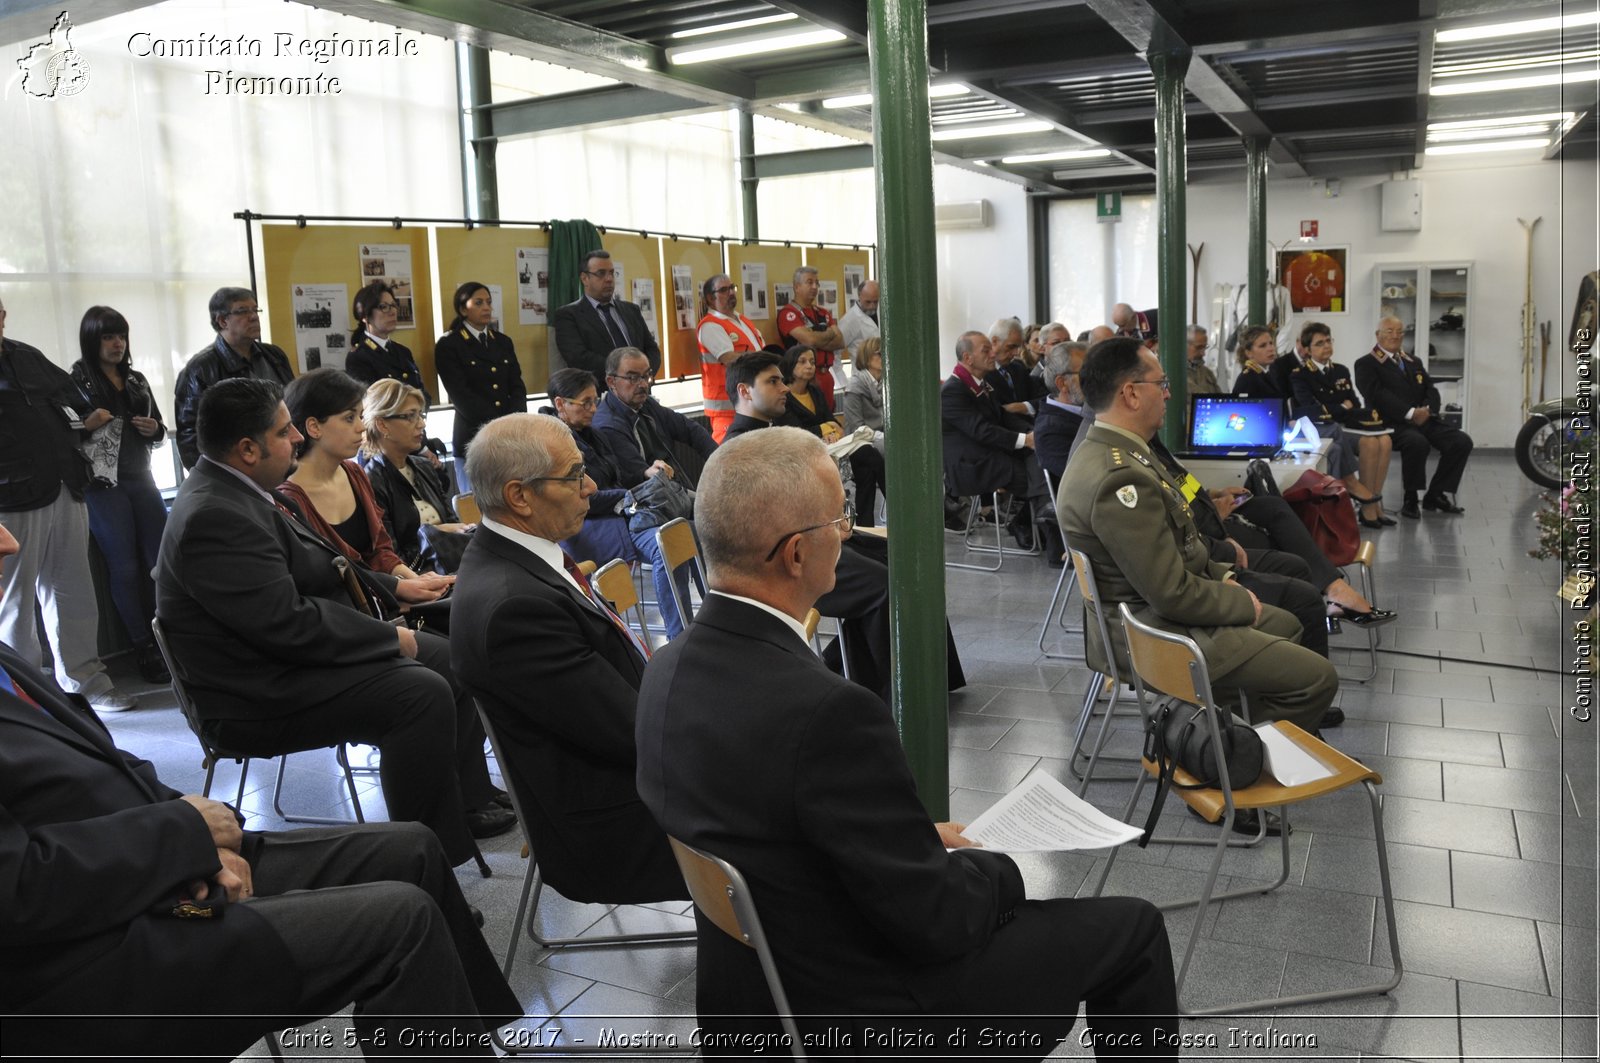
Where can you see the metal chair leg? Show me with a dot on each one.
(1065, 598)
(975, 503)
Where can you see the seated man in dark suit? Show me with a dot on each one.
(115, 887)
(595, 324)
(640, 430)
(1017, 389)
(1398, 386)
(270, 643)
(555, 670)
(985, 447)
(1060, 415)
(805, 789)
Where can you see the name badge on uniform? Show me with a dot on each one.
(1128, 496)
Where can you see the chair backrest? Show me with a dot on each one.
(813, 618)
(1083, 572)
(677, 542)
(1166, 662)
(467, 508)
(723, 897)
(179, 689)
(614, 581)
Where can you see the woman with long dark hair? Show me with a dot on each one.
(374, 356)
(808, 408)
(126, 514)
(477, 366)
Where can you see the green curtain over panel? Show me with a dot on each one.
(569, 240)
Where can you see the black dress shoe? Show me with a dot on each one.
(152, 667)
(1375, 617)
(1379, 523)
(1333, 717)
(1410, 511)
(501, 799)
(1247, 821)
(1387, 521)
(477, 915)
(1441, 504)
(490, 821)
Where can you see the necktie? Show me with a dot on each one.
(9, 685)
(600, 603)
(613, 326)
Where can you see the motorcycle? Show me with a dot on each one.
(1559, 428)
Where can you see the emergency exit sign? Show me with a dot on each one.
(1108, 207)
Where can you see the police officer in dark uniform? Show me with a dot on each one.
(374, 356)
(478, 366)
(1118, 506)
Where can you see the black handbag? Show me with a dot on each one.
(1179, 738)
(656, 501)
(441, 550)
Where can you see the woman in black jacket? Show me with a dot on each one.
(126, 513)
(374, 355)
(809, 408)
(409, 490)
(478, 367)
(1258, 349)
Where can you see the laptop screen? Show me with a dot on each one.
(1221, 423)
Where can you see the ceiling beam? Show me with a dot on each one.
(848, 17)
(584, 110)
(957, 11)
(29, 21)
(816, 160)
(1558, 143)
(1428, 9)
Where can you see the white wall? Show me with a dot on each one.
(983, 273)
(1468, 214)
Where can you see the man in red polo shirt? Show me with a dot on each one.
(806, 321)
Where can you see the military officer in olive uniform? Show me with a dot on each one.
(1119, 508)
(478, 367)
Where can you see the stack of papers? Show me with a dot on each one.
(1041, 815)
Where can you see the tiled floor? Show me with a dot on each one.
(1490, 811)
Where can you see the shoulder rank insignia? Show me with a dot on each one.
(1128, 496)
(1116, 456)
(1141, 459)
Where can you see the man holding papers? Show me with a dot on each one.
(753, 751)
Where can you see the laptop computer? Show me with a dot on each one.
(1231, 426)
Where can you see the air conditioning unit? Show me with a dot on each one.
(970, 214)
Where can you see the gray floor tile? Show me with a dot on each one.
(1039, 738)
(1225, 971)
(1423, 640)
(1469, 687)
(1507, 1023)
(1405, 777)
(1416, 1018)
(1313, 921)
(1569, 959)
(1035, 676)
(1496, 950)
(1364, 704)
(1484, 716)
(1533, 791)
(1339, 862)
(1039, 705)
(1555, 839)
(607, 1014)
(1444, 825)
(1490, 625)
(972, 697)
(1508, 886)
(978, 732)
(1531, 752)
(1444, 743)
(1357, 736)
(986, 769)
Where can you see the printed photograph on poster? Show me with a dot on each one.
(753, 279)
(644, 297)
(682, 296)
(828, 296)
(854, 278)
(391, 263)
(782, 295)
(533, 285)
(320, 335)
(1316, 278)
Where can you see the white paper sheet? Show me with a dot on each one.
(1287, 762)
(1041, 815)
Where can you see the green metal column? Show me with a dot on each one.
(1255, 191)
(1172, 251)
(483, 198)
(747, 176)
(902, 156)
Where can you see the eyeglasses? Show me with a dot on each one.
(575, 477)
(601, 273)
(411, 417)
(244, 311)
(846, 523)
(387, 306)
(582, 404)
(631, 378)
(724, 290)
(1165, 383)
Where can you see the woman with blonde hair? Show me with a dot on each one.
(410, 491)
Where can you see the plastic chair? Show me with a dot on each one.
(1172, 665)
(212, 753)
(723, 897)
(614, 581)
(467, 508)
(1078, 565)
(678, 547)
(1000, 550)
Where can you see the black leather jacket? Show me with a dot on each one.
(214, 363)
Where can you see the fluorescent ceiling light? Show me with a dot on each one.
(1494, 145)
(1058, 156)
(1514, 29)
(1495, 131)
(940, 91)
(998, 130)
(1515, 64)
(1489, 123)
(773, 42)
(742, 24)
(1461, 88)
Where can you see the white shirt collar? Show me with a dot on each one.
(1065, 406)
(475, 333)
(381, 341)
(794, 625)
(545, 550)
(230, 470)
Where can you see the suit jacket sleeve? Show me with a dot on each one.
(546, 661)
(243, 579)
(960, 411)
(570, 342)
(684, 430)
(1370, 382)
(1140, 541)
(185, 404)
(857, 802)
